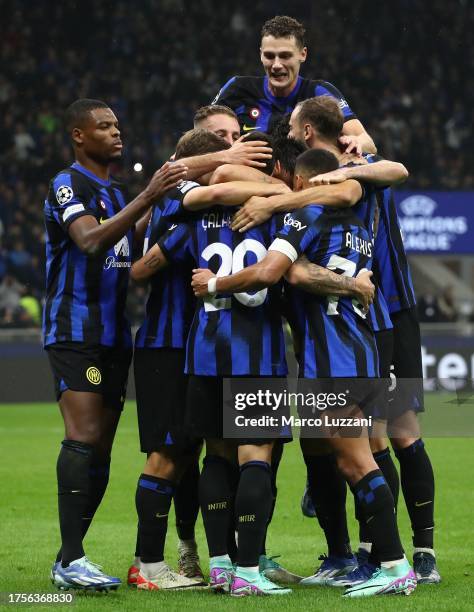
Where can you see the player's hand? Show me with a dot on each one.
(199, 281)
(350, 144)
(253, 153)
(328, 178)
(254, 212)
(365, 289)
(167, 177)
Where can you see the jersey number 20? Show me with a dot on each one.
(232, 262)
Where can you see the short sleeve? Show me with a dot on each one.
(296, 235)
(70, 197)
(323, 88)
(227, 94)
(176, 243)
(172, 203)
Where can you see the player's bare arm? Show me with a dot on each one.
(234, 172)
(140, 229)
(355, 138)
(319, 280)
(257, 210)
(148, 265)
(230, 194)
(253, 153)
(381, 173)
(258, 276)
(94, 238)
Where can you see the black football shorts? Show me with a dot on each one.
(161, 385)
(99, 369)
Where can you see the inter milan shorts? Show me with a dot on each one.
(206, 405)
(161, 385)
(98, 369)
(400, 358)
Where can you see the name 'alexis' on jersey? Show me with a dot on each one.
(85, 296)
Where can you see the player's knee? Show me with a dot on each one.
(87, 433)
(355, 466)
(161, 464)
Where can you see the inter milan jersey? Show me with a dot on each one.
(336, 338)
(85, 296)
(170, 305)
(258, 109)
(230, 335)
(368, 211)
(392, 268)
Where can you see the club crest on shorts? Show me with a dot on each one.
(93, 375)
(64, 194)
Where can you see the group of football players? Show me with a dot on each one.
(294, 219)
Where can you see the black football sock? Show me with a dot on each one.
(215, 497)
(137, 543)
(386, 465)
(73, 490)
(186, 502)
(328, 491)
(377, 509)
(98, 481)
(234, 475)
(276, 458)
(153, 502)
(253, 504)
(417, 479)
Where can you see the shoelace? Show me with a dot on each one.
(363, 571)
(324, 559)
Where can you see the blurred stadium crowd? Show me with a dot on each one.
(403, 69)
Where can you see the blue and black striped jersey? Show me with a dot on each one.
(335, 336)
(170, 305)
(392, 267)
(257, 109)
(233, 335)
(85, 296)
(368, 210)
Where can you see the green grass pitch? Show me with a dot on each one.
(30, 437)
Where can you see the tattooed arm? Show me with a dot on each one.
(321, 281)
(149, 264)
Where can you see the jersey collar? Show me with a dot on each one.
(285, 99)
(77, 166)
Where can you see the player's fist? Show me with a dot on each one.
(200, 282)
(364, 289)
(328, 178)
(167, 177)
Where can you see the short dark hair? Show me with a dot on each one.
(212, 109)
(316, 161)
(283, 26)
(281, 128)
(199, 142)
(257, 135)
(324, 114)
(78, 112)
(287, 151)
